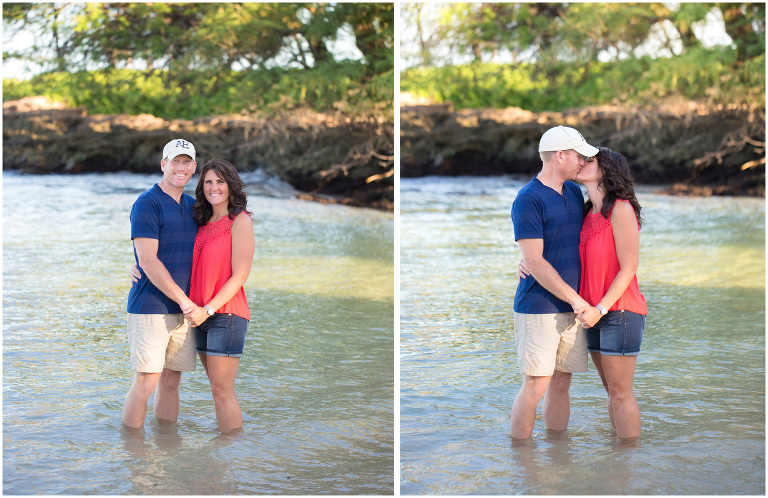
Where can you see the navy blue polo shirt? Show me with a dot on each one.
(540, 212)
(157, 215)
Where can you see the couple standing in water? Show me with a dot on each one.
(578, 290)
(193, 256)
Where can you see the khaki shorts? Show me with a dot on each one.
(161, 341)
(549, 342)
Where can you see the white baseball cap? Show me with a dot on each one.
(177, 147)
(565, 138)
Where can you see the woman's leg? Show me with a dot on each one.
(222, 371)
(204, 361)
(597, 360)
(619, 374)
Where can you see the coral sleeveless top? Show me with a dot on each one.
(600, 265)
(212, 267)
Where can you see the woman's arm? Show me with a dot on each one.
(626, 235)
(243, 246)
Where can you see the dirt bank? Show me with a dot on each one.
(329, 157)
(691, 148)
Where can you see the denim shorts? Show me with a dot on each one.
(223, 334)
(617, 333)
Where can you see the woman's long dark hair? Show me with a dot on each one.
(616, 181)
(203, 211)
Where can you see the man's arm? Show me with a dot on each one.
(146, 250)
(546, 275)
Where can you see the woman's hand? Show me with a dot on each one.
(197, 316)
(135, 274)
(589, 317)
(522, 271)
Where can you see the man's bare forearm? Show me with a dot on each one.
(158, 274)
(546, 275)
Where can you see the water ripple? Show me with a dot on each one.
(700, 379)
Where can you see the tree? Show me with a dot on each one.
(48, 24)
(112, 35)
(685, 17)
(373, 25)
(188, 36)
(417, 16)
(745, 24)
(249, 34)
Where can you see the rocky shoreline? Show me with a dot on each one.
(688, 147)
(328, 157)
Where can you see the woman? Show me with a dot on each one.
(221, 263)
(610, 252)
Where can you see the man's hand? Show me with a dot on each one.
(155, 270)
(546, 275)
(589, 316)
(580, 309)
(188, 307)
(196, 316)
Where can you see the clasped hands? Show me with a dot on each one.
(194, 314)
(586, 314)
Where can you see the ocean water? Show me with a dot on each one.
(700, 378)
(316, 381)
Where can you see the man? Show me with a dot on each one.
(161, 342)
(547, 216)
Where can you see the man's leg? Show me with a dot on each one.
(166, 406)
(571, 357)
(135, 407)
(179, 357)
(524, 409)
(557, 402)
(148, 340)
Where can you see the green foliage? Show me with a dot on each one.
(197, 36)
(210, 92)
(574, 31)
(745, 24)
(203, 59)
(374, 27)
(700, 74)
(558, 54)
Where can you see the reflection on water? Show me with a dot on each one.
(315, 382)
(700, 379)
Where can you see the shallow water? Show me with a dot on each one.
(315, 381)
(700, 379)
